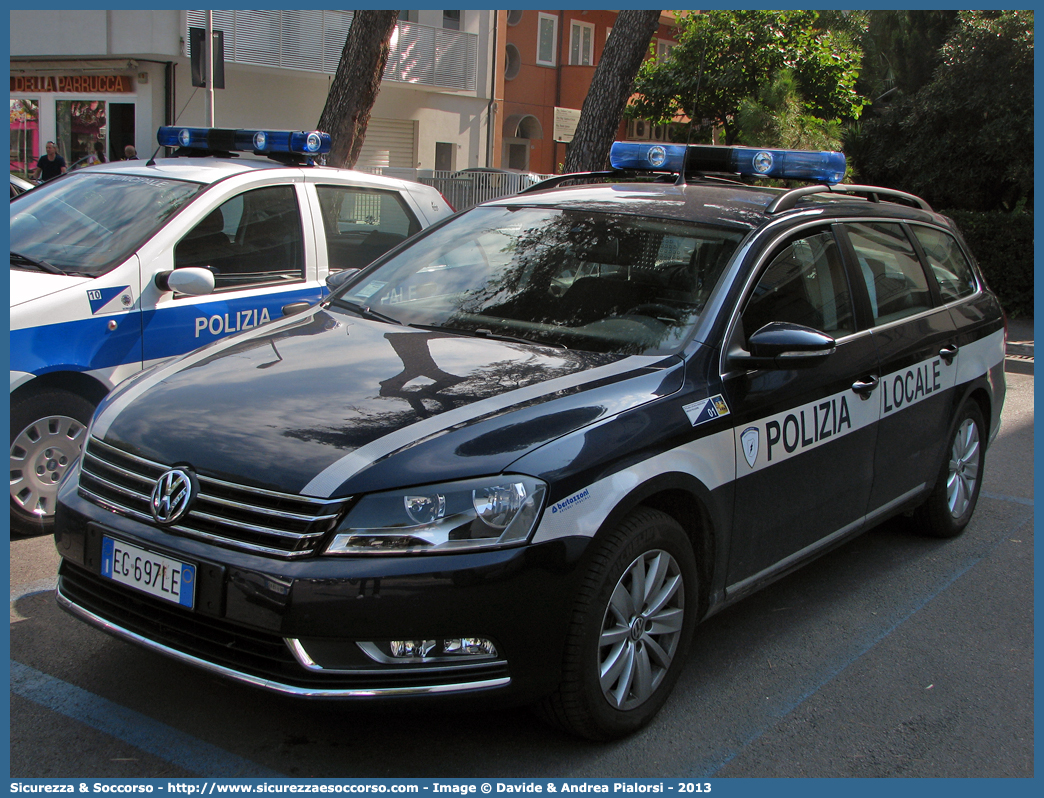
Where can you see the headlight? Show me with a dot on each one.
(455, 516)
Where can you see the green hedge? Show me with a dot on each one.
(1003, 246)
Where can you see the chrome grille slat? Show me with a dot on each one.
(224, 513)
(264, 510)
(124, 491)
(309, 500)
(123, 472)
(261, 530)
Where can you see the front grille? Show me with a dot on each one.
(256, 653)
(236, 516)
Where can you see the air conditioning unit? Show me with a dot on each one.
(638, 129)
(659, 133)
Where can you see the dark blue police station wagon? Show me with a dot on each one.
(523, 455)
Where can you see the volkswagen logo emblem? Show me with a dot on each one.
(172, 496)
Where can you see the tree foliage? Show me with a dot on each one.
(777, 117)
(965, 139)
(354, 88)
(610, 87)
(725, 58)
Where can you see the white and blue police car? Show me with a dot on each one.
(118, 266)
(521, 457)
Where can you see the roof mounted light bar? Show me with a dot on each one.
(827, 167)
(278, 144)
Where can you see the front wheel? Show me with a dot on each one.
(951, 503)
(631, 626)
(47, 435)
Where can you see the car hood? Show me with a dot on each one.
(27, 286)
(328, 404)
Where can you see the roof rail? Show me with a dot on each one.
(551, 182)
(784, 202)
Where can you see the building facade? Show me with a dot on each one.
(548, 63)
(78, 77)
(462, 89)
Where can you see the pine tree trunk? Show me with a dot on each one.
(355, 85)
(610, 89)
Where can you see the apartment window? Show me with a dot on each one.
(444, 151)
(547, 39)
(581, 43)
(664, 47)
(451, 20)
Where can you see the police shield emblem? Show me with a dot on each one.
(749, 440)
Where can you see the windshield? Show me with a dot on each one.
(583, 280)
(88, 223)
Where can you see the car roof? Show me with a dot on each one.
(22, 183)
(212, 169)
(714, 202)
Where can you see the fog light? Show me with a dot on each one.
(411, 648)
(469, 646)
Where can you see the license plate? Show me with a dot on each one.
(149, 572)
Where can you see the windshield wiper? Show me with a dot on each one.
(365, 311)
(40, 265)
(482, 332)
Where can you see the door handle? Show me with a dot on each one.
(948, 353)
(865, 387)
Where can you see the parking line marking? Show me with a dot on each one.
(707, 769)
(144, 733)
(1003, 498)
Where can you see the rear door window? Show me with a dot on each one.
(948, 263)
(362, 224)
(895, 280)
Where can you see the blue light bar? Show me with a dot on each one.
(304, 142)
(828, 167)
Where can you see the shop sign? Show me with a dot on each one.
(84, 84)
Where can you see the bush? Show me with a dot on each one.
(1003, 245)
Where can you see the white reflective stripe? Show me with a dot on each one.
(19, 378)
(905, 387)
(711, 460)
(334, 475)
(719, 458)
(977, 358)
(773, 439)
(104, 420)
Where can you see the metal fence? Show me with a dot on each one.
(465, 189)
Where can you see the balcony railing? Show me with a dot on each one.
(312, 40)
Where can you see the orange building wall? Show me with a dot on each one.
(536, 90)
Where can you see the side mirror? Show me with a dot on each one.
(191, 280)
(780, 345)
(337, 279)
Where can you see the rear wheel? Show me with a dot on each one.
(47, 435)
(952, 501)
(631, 626)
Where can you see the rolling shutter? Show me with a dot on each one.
(389, 143)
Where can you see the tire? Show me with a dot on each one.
(951, 503)
(47, 435)
(610, 634)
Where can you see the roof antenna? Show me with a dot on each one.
(692, 120)
(152, 160)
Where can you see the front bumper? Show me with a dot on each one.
(295, 627)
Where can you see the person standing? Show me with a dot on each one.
(50, 165)
(98, 154)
